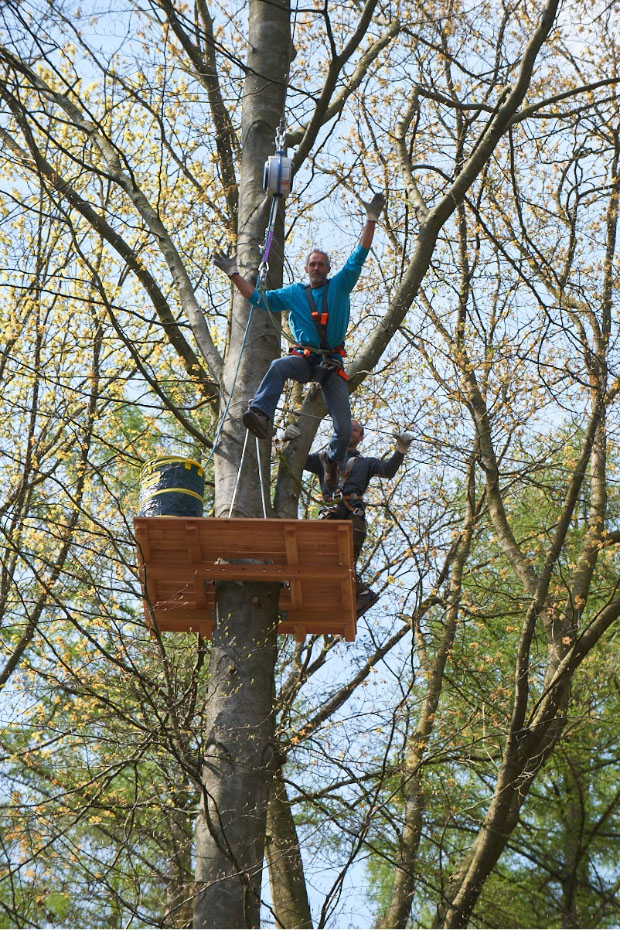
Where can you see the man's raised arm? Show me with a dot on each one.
(228, 264)
(373, 211)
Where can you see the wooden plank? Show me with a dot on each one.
(258, 571)
(290, 542)
(252, 534)
(310, 615)
(142, 538)
(203, 627)
(230, 571)
(199, 593)
(192, 542)
(348, 594)
(311, 628)
(150, 589)
(296, 595)
(183, 620)
(182, 614)
(344, 545)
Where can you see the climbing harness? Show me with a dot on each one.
(342, 503)
(326, 367)
(337, 500)
(320, 319)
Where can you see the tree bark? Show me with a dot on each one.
(286, 872)
(240, 756)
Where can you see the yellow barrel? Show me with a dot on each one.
(171, 486)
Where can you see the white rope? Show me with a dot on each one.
(260, 478)
(232, 503)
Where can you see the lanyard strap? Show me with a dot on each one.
(319, 319)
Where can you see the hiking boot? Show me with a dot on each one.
(364, 601)
(256, 422)
(330, 471)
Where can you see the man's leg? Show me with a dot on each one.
(365, 596)
(359, 535)
(265, 401)
(358, 523)
(336, 396)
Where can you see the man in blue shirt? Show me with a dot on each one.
(318, 319)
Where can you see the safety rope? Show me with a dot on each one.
(234, 495)
(263, 268)
(220, 426)
(260, 479)
(263, 271)
(260, 476)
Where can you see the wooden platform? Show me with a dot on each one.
(180, 560)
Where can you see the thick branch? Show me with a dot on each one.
(438, 215)
(327, 106)
(207, 73)
(331, 104)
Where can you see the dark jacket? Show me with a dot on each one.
(359, 468)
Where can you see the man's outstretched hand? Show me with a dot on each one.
(403, 441)
(227, 263)
(374, 207)
(291, 432)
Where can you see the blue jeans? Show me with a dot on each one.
(335, 394)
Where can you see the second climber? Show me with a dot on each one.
(318, 318)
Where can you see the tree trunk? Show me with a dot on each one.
(286, 872)
(240, 757)
(517, 773)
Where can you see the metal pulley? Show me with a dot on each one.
(278, 175)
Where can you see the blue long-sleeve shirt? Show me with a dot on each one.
(293, 298)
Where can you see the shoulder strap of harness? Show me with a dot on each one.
(319, 319)
(343, 473)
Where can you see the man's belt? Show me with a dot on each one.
(301, 348)
(327, 366)
(350, 502)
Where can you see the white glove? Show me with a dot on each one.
(291, 432)
(374, 207)
(403, 441)
(227, 263)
